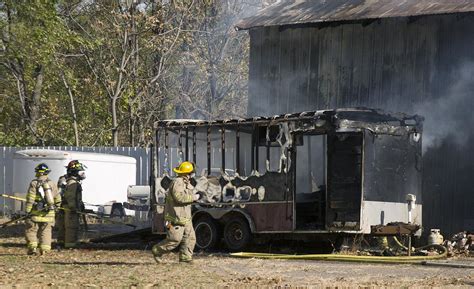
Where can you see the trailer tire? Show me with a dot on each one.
(117, 211)
(237, 234)
(207, 234)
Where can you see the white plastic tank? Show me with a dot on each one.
(107, 175)
(435, 237)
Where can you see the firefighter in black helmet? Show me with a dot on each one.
(68, 229)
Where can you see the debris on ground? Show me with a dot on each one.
(461, 243)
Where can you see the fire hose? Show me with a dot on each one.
(351, 258)
(60, 208)
(27, 216)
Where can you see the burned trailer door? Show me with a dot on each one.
(309, 161)
(392, 170)
(344, 180)
(160, 174)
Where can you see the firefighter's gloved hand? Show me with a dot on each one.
(81, 207)
(196, 197)
(201, 195)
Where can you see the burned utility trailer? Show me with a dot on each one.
(319, 172)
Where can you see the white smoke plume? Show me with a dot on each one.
(451, 115)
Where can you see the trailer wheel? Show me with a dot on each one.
(206, 233)
(237, 234)
(117, 211)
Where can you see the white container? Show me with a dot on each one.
(107, 175)
(435, 237)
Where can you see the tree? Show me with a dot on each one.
(32, 34)
(101, 72)
(215, 72)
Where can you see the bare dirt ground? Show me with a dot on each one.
(118, 265)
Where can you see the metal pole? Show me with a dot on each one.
(252, 161)
(268, 149)
(187, 144)
(257, 140)
(154, 151)
(411, 202)
(237, 149)
(194, 146)
(166, 165)
(208, 150)
(180, 147)
(223, 149)
(409, 245)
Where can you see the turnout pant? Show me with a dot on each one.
(38, 231)
(60, 226)
(182, 236)
(71, 225)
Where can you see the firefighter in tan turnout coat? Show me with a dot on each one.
(41, 201)
(68, 223)
(178, 222)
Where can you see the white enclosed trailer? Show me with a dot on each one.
(107, 175)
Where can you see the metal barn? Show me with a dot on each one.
(413, 56)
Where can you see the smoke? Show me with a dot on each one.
(250, 8)
(450, 116)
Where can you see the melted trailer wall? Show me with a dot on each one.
(393, 64)
(392, 168)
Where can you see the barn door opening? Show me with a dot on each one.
(344, 180)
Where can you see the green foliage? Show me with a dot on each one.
(33, 36)
(120, 66)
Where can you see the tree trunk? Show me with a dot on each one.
(73, 109)
(35, 100)
(118, 90)
(135, 66)
(113, 108)
(131, 124)
(30, 104)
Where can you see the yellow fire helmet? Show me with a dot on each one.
(184, 168)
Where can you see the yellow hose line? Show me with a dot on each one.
(346, 258)
(399, 243)
(13, 197)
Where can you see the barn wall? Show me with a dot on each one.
(410, 65)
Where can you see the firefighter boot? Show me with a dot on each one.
(157, 253)
(185, 259)
(31, 252)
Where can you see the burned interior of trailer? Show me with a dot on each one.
(307, 171)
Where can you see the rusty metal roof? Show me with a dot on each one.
(293, 12)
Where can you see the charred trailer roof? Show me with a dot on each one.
(374, 120)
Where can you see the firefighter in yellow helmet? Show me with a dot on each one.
(41, 201)
(179, 227)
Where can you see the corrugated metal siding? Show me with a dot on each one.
(142, 155)
(392, 64)
(294, 12)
